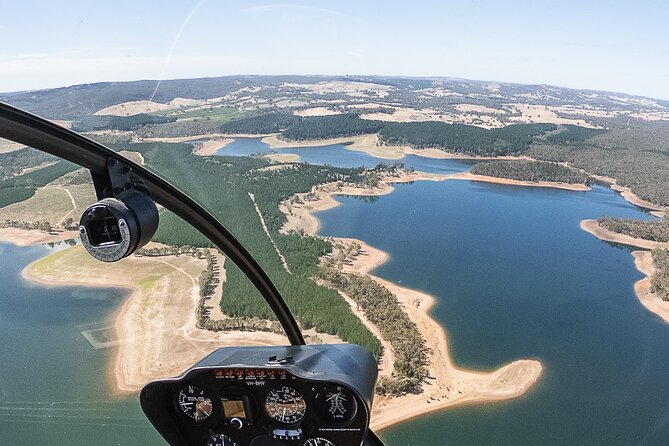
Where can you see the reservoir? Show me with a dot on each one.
(514, 277)
(338, 155)
(53, 384)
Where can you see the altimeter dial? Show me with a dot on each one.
(194, 403)
(286, 405)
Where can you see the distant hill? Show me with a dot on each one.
(438, 94)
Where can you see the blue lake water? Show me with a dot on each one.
(338, 155)
(514, 277)
(53, 384)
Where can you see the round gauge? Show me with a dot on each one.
(318, 442)
(336, 404)
(194, 403)
(220, 440)
(285, 405)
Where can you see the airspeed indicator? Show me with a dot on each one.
(194, 404)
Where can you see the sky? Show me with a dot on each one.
(619, 46)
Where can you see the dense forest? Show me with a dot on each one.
(646, 173)
(13, 163)
(333, 126)
(634, 152)
(180, 128)
(383, 310)
(462, 138)
(660, 280)
(260, 124)
(313, 305)
(22, 187)
(297, 128)
(531, 171)
(572, 134)
(126, 123)
(655, 230)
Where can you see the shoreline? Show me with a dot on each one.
(643, 260)
(630, 196)
(369, 144)
(30, 237)
(155, 325)
(178, 139)
(507, 181)
(593, 227)
(212, 146)
(510, 381)
(447, 385)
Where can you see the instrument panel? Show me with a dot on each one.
(274, 404)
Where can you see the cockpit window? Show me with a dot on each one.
(499, 246)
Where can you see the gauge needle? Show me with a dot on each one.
(284, 413)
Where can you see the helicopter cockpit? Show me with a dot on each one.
(307, 395)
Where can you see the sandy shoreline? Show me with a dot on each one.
(593, 227)
(144, 344)
(497, 180)
(301, 218)
(155, 327)
(371, 146)
(643, 260)
(628, 195)
(212, 146)
(448, 385)
(24, 237)
(178, 139)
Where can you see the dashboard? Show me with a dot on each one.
(318, 395)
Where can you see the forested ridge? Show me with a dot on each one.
(13, 163)
(260, 124)
(381, 307)
(233, 178)
(634, 152)
(460, 138)
(531, 171)
(22, 187)
(660, 280)
(654, 230)
(645, 173)
(111, 122)
(324, 127)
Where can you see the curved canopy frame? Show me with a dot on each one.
(25, 128)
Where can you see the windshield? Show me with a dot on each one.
(500, 247)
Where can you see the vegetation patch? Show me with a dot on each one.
(261, 124)
(222, 185)
(13, 163)
(572, 134)
(333, 126)
(660, 280)
(654, 230)
(460, 138)
(531, 171)
(125, 123)
(22, 187)
(382, 308)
